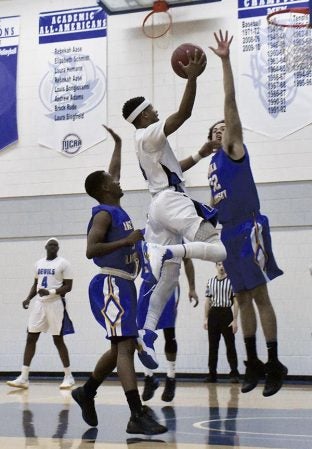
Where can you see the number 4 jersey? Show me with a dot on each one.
(51, 273)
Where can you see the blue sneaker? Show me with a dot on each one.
(146, 351)
(155, 256)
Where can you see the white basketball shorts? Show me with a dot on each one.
(46, 317)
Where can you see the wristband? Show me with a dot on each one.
(52, 291)
(196, 157)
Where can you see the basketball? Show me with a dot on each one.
(180, 54)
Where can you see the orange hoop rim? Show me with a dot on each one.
(151, 36)
(303, 11)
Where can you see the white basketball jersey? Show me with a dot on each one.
(158, 162)
(51, 273)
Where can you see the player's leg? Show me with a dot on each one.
(85, 394)
(61, 347)
(37, 323)
(58, 325)
(275, 370)
(151, 383)
(192, 221)
(171, 349)
(141, 422)
(159, 298)
(254, 366)
(22, 380)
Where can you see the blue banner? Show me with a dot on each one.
(70, 25)
(9, 33)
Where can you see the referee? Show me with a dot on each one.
(221, 320)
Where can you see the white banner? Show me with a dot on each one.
(72, 86)
(274, 98)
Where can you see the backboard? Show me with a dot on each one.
(128, 6)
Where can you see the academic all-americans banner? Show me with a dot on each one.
(9, 34)
(275, 97)
(72, 86)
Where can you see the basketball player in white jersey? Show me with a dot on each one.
(173, 217)
(53, 279)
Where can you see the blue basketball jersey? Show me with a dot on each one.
(233, 188)
(121, 226)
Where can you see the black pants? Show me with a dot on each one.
(219, 319)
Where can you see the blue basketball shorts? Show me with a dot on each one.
(168, 317)
(113, 301)
(250, 261)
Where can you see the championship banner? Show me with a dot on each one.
(9, 35)
(72, 88)
(274, 95)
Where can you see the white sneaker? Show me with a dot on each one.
(156, 255)
(19, 382)
(68, 382)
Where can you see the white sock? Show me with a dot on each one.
(215, 252)
(25, 372)
(171, 369)
(67, 371)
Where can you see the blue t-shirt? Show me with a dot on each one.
(121, 226)
(232, 187)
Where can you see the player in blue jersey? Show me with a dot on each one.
(250, 263)
(166, 322)
(112, 293)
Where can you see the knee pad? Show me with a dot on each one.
(206, 232)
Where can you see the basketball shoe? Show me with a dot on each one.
(156, 255)
(144, 423)
(150, 385)
(68, 382)
(275, 375)
(146, 351)
(87, 406)
(19, 382)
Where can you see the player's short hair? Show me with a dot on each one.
(93, 183)
(211, 129)
(131, 105)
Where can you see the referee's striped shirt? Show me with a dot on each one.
(220, 292)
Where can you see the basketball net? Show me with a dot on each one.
(291, 32)
(158, 22)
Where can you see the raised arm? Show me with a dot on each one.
(115, 163)
(233, 136)
(192, 70)
(206, 150)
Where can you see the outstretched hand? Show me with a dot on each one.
(223, 49)
(115, 136)
(209, 147)
(195, 64)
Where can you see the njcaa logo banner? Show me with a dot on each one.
(72, 88)
(9, 35)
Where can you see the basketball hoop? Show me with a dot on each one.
(291, 30)
(153, 29)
